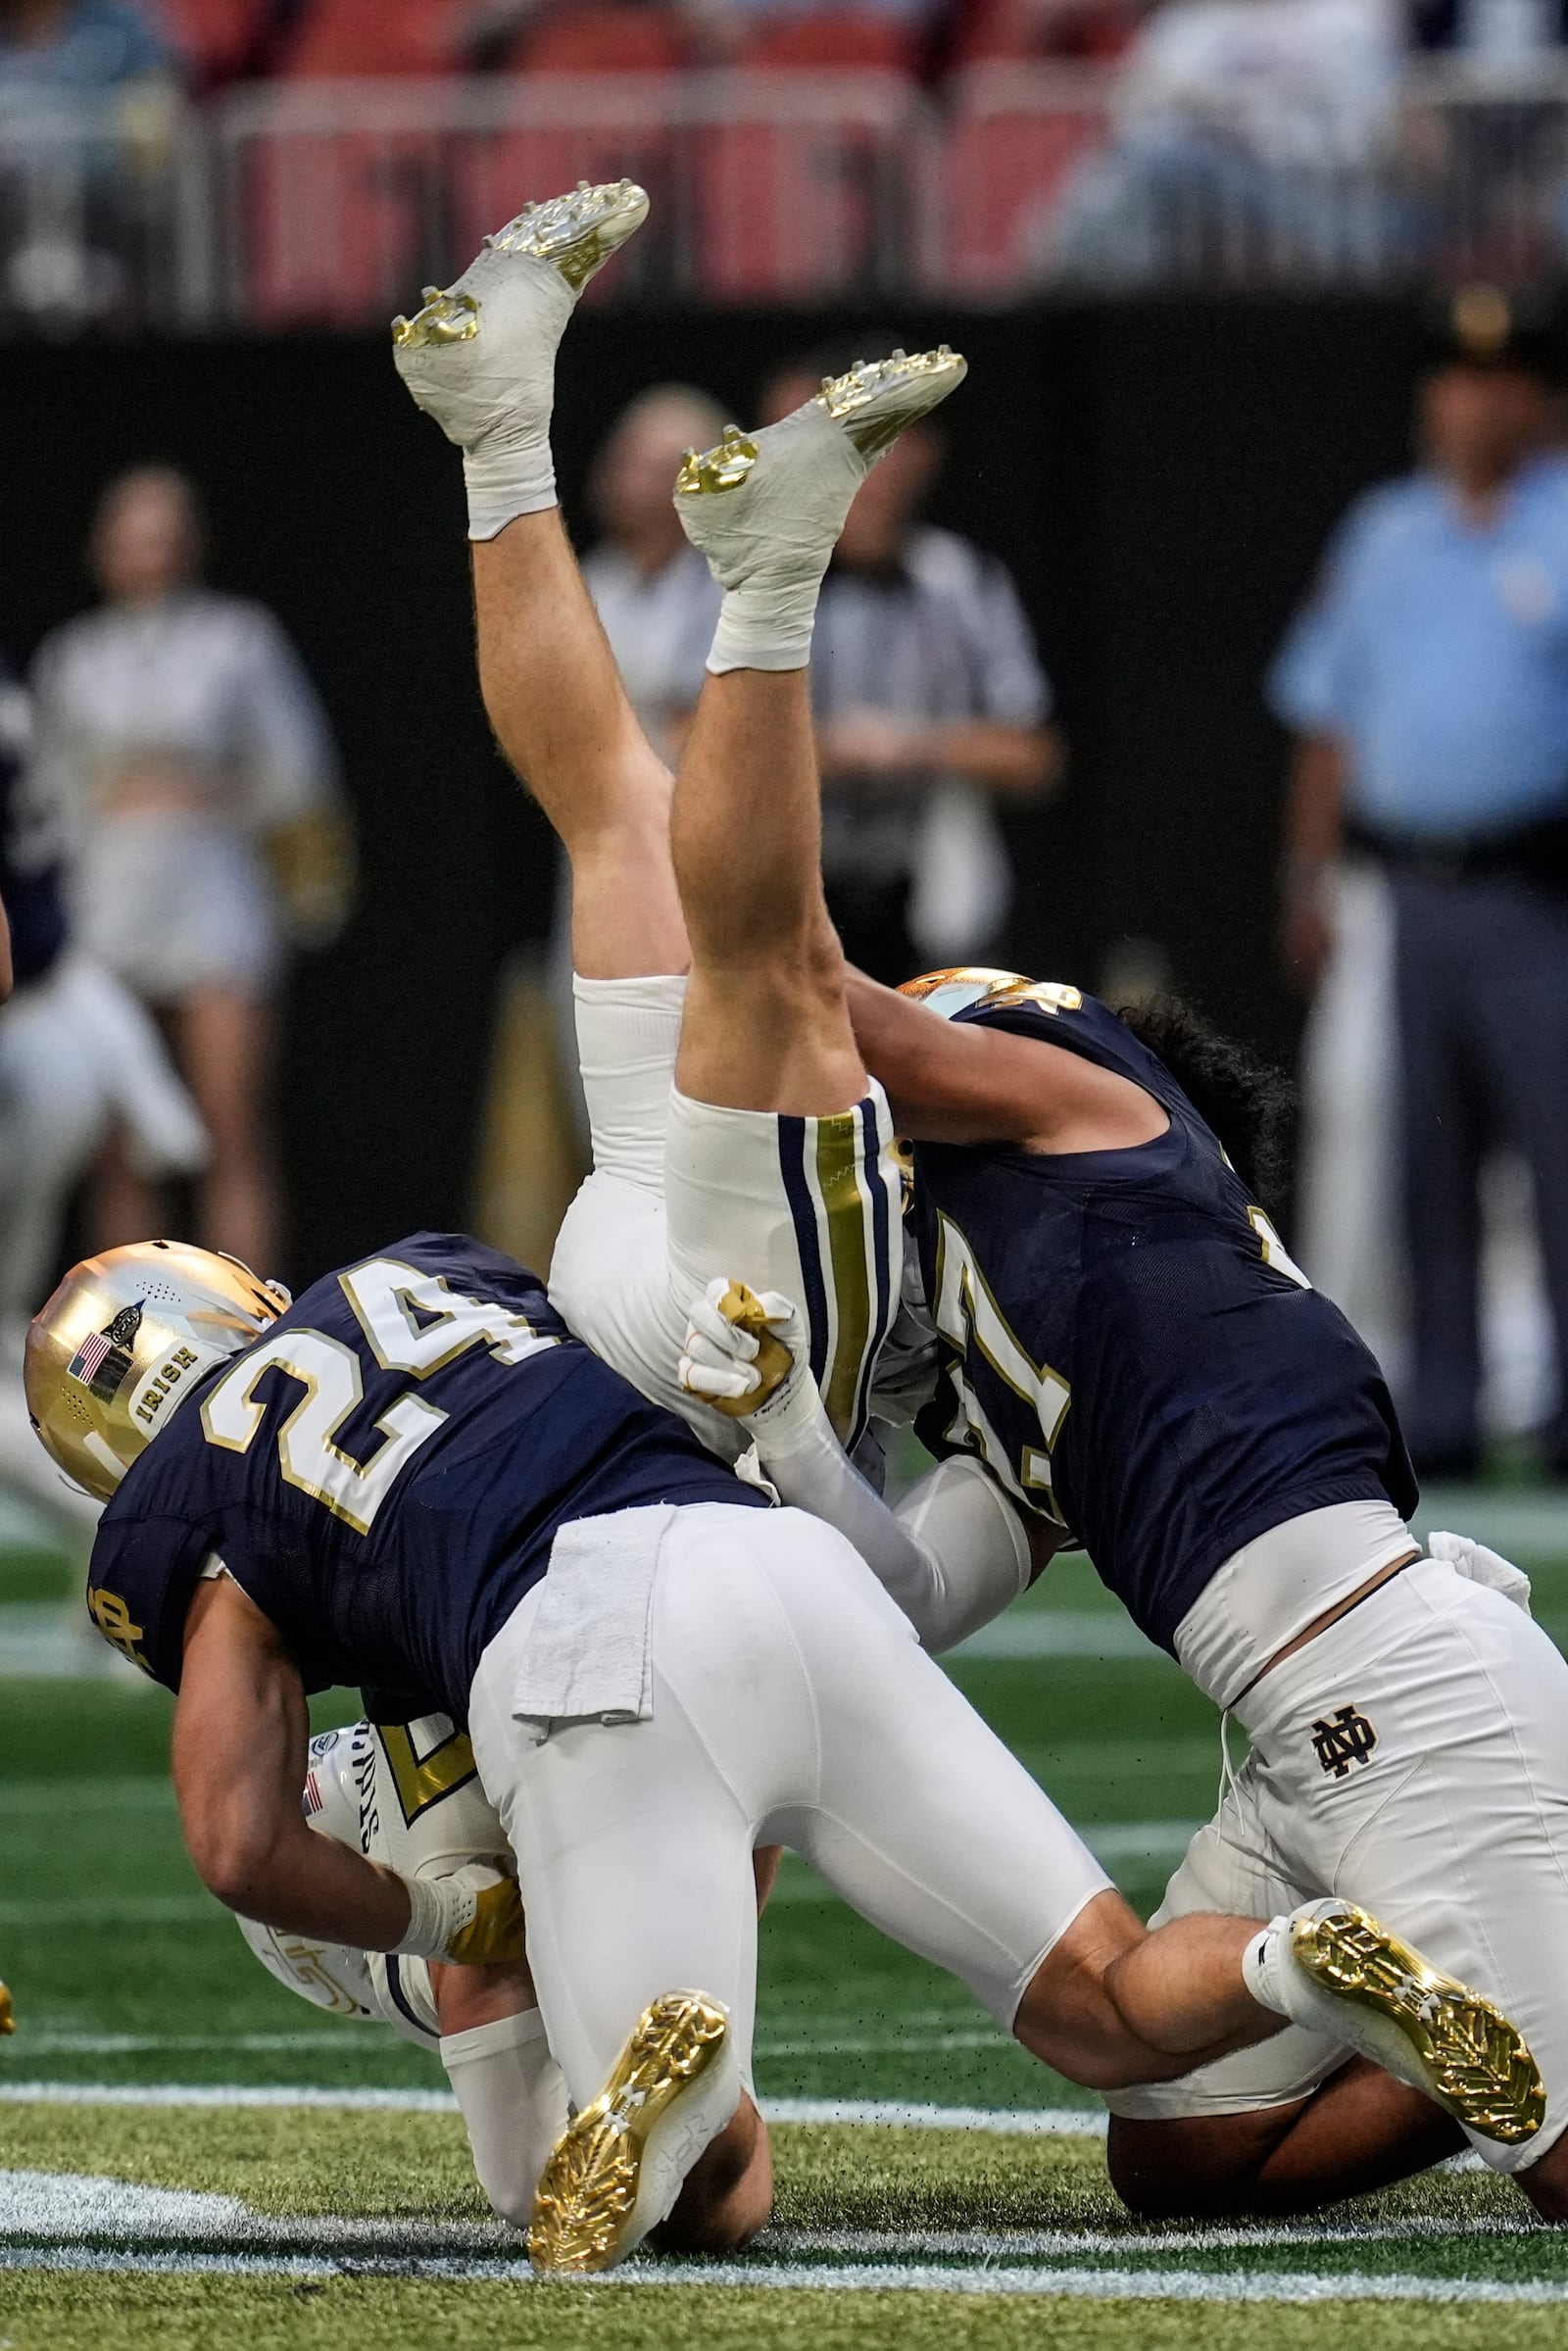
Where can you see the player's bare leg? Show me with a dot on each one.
(767, 1026)
(480, 357)
(1114, 2003)
(1361, 2131)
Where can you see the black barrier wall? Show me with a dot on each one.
(1160, 478)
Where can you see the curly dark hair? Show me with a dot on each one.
(1249, 1104)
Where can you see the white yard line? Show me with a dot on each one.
(82, 2209)
(1071, 2285)
(1030, 2122)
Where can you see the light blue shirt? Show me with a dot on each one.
(100, 44)
(1438, 653)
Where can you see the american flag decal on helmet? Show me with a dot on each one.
(103, 1361)
(86, 1362)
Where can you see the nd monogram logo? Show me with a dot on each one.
(112, 1620)
(1345, 1740)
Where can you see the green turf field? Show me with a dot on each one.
(144, 2026)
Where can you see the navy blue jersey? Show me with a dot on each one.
(384, 1471)
(1128, 1345)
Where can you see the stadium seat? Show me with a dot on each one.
(494, 175)
(1013, 30)
(216, 37)
(344, 229)
(600, 36)
(346, 37)
(1002, 170)
(833, 43)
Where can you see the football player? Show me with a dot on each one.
(1128, 1352)
(734, 1128)
(413, 1478)
(407, 1797)
(732, 1121)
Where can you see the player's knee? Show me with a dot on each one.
(1152, 2171)
(1545, 2184)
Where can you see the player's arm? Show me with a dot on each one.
(7, 977)
(240, 1740)
(955, 1082)
(953, 1553)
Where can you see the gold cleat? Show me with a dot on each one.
(1466, 2053)
(8, 2015)
(445, 319)
(772, 1361)
(877, 399)
(722, 468)
(603, 2187)
(577, 233)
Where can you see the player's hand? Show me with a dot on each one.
(470, 1917)
(495, 1933)
(743, 1351)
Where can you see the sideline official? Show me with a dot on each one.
(1429, 686)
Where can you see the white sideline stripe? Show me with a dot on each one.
(1030, 2122)
(141, 2044)
(1093, 2285)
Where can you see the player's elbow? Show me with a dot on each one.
(235, 1859)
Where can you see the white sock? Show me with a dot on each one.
(1269, 1979)
(767, 624)
(505, 478)
(769, 541)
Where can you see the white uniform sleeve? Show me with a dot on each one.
(953, 1553)
(514, 2101)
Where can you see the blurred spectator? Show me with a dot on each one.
(184, 744)
(931, 703)
(1496, 29)
(1247, 135)
(1429, 686)
(88, 93)
(653, 592)
(77, 1056)
(77, 47)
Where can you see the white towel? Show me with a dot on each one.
(586, 1657)
(1473, 1559)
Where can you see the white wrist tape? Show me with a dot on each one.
(439, 1909)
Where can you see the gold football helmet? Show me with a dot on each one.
(960, 986)
(122, 1343)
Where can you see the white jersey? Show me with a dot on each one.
(408, 1797)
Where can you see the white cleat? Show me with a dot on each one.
(480, 356)
(779, 496)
